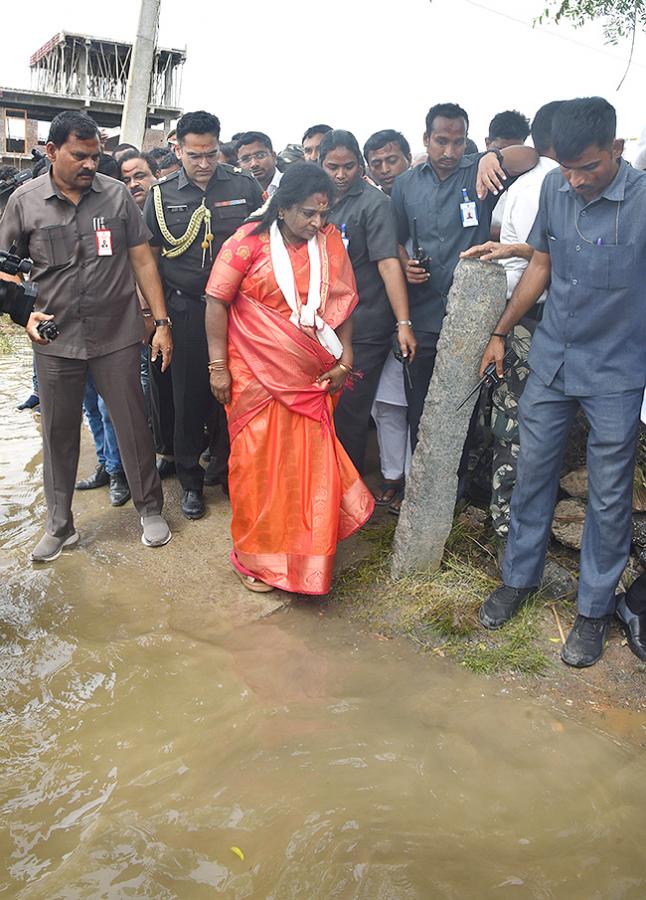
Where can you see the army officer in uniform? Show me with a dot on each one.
(190, 214)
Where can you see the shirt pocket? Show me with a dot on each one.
(607, 267)
(53, 246)
(621, 265)
(227, 219)
(117, 229)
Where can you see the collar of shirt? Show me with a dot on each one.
(355, 189)
(52, 191)
(466, 162)
(183, 180)
(613, 191)
(272, 187)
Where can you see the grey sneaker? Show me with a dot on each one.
(49, 547)
(155, 532)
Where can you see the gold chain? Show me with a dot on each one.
(181, 244)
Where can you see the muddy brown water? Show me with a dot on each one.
(139, 747)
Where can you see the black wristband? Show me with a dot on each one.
(499, 334)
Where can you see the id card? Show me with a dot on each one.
(469, 214)
(103, 242)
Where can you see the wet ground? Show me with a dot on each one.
(160, 740)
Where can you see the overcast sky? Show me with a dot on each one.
(279, 67)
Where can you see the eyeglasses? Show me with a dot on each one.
(211, 156)
(249, 157)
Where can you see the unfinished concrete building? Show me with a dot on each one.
(77, 71)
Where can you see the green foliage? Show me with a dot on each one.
(620, 18)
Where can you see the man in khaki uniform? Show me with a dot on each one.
(85, 235)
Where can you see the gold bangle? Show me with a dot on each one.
(212, 362)
(345, 368)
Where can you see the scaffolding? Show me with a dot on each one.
(78, 65)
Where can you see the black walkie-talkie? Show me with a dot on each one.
(418, 252)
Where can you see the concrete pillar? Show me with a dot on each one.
(133, 121)
(475, 303)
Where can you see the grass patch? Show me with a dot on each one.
(440, 609)
(9, 332)
(5, 343)
(514, 648)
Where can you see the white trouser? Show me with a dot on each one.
(394, 439)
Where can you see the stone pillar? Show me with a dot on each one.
(475, 303)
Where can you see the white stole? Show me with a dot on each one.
(284, 275)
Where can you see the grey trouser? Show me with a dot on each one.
(545, 417)
(61, 383)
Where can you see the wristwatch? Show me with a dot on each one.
(498, 155)
(165, 321)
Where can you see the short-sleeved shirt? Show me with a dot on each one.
(594, 320)
(419, 194)
(231, 195)
(519, 215)
(371, 230)
(91, 296)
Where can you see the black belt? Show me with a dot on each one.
(178, 293)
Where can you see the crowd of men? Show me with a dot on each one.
(560, 215)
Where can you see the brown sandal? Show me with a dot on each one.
(254, 584)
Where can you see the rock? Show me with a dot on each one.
(474, 518)
(475, 303)
(639, 535)
(576, 483)
(639, 489)
(557, 582)
(567, 526)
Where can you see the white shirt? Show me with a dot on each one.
(520, 212)
(272, 187)
(640, 159)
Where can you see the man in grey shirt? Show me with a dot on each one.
(589, 243)
(88, 244)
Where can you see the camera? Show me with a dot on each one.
(9, 186)
(18, 299)
(48, 330)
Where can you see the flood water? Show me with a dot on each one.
(136, 754)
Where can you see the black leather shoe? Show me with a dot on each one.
(119, 490)
(99, 479)
(166, 468)
(633, 626)
(500, 606)
(192, 504)
(586, 642)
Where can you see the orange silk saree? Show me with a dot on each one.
(294, 492)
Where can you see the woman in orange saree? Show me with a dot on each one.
(279, 301)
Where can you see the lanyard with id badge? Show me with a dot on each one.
(468, 211)
(103, 237)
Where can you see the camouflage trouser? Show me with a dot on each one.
(504, 425)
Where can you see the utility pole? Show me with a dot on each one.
(135, 109)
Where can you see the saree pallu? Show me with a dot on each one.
(294, 492)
